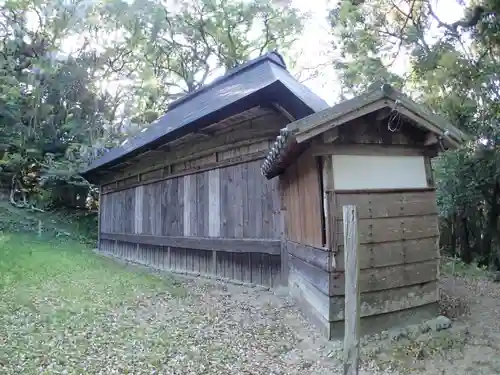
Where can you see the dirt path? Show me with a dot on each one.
(481, 354)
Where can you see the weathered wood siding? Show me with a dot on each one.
(398, 231)
(308, 282)
(231, 202)
(301, 190)
(200, 204)
(398, 228)
(246, 268)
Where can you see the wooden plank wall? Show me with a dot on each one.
(308, 282)
(235, 202)
(232, 202)
(244, 268)
(302, 195)
(398, 251)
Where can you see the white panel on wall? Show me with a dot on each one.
(364, 172)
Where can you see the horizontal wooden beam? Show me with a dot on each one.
(221, 164)
(371, 149)
(232, 245)
(317, 256)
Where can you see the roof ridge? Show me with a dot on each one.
(272, 56)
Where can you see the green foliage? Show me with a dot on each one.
(453, 68)
(77, 78)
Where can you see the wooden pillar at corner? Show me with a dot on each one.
(99, 219)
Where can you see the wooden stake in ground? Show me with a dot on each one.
(351, 335)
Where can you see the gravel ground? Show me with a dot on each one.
(481, 354)
(64, 310)
(209, 329)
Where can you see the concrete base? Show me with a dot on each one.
(393, 320)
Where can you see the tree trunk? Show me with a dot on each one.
(453, 235)
(464, 240)
(490, 227)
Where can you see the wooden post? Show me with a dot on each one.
(351, 316)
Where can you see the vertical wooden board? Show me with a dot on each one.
(125, 210)
(121, 210)
(202, 204)
(225, 194)
(131, 251)
(206, 264)
(276, 271)
(246, 261)
(157, 208)
(173, 258)
(114, 213)
(139, 206)
(184, 259)
(255, 267)
(255, 193)
(174, 254)
(125, 250)
(168, 259)
(150, 255)
(296, 214)
(238, 259)
(230, 202)
(240, 174)
(189, 205)
(230, 272)
(191, 259)
(221, 263)
(179, 210)
(276, 215)
(209, 262)
(178, 258)
(146, 209)
(166, 206)
(101, 227)
(145, 254)
(246, 209)
(266, 209)
(199, 260)
(130, 209)
(249, 202)
(214, 208)
(265, 269)
(106, 213)
(117, 196)
(189, 255)
(158, 256)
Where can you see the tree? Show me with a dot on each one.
(453, 68)
(79, 77)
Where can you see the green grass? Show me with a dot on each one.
(59, 302)
(456, 267)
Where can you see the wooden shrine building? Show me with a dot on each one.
(244, 180)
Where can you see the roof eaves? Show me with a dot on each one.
(273, 57)
(310, 126)
(162, 127)
(444, 126)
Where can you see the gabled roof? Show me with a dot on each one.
(264, 80)
(292, 138)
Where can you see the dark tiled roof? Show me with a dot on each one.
(259, 81)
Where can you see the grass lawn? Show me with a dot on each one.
(58, 303)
